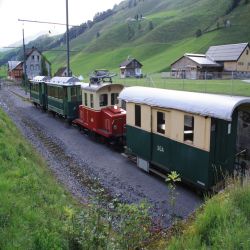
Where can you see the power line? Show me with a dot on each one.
(35, 21)
(56, 50)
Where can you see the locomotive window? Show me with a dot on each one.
(114, 99)
(91, 101)
(161, 127)
(86, 99)
(103, 100)
(138, 115)
(188, 128)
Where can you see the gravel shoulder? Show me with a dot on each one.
(81, 164)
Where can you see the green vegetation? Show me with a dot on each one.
(36, 212)
(223, 223)
(227, 86)
(3, 72)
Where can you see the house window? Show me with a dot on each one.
(32, 67)
(33, 57)
(188, 128)
(114, 99)
(138, 115)
(103, 101)
(86, 99)
(38, 57)
(91, 101)
(240, 63)
(161, 127)
(247, 52)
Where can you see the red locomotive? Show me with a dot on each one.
(100, 111)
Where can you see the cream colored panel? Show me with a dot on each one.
(146, 118)
(130, 114)
(202, 132)
(177, 125)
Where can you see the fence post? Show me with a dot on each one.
(232, 83)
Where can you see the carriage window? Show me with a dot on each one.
(91, 101)
(86, 99)
(103, 100)
(60, 93)
(138, 115)
(188, 128)
(56, 92)
(73, 91)
(114, 99)
(161, 127)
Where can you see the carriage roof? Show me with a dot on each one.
(212, 105)
(38, 79)
(97, 87)
(64, 81)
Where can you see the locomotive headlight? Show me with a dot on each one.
(115, 107)
(115, 127)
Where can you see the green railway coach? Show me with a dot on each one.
(192, 133)
(64, 96)
(38, 91)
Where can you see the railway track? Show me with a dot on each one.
(67, 161)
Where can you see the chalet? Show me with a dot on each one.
(62, 72)
(131, 68)
(233, 57)
(36, 64)
(194, 66)
(15, 70)
(222, 58)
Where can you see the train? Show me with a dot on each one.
(194, 134)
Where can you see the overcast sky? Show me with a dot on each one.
(44, 10)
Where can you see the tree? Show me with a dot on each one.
(151, 25)
(198, 33)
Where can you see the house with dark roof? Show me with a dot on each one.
(15, 70)
(194, 66)
(36, 64)
(131, 68)
(62, 72)
(233, 57)
(222, 58)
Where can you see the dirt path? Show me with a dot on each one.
(82, 164)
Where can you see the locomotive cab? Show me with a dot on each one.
(101, 110)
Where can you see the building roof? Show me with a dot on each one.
(13, 64)
(212, 105)
(228, 52)
(128, 61)
(64, 81)
(202, 60)
(38, 79)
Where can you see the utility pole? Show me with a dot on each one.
(24, 65)
(67, 39)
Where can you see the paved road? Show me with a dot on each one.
(114, 172)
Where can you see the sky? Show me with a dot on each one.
(44, 10)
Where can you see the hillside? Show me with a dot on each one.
(156, 32)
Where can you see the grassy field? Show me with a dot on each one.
(222, 223)
(3, 72)
(32, 205)
(229, 87)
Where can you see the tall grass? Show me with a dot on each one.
(224, 223)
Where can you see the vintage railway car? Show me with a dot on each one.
(64, 96)
(191, 133)
(100, 111)
(38, 91)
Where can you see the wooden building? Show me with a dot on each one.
(62, 72)
(15, 70)
(233, 57)
(131, 68)
(194, 66)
